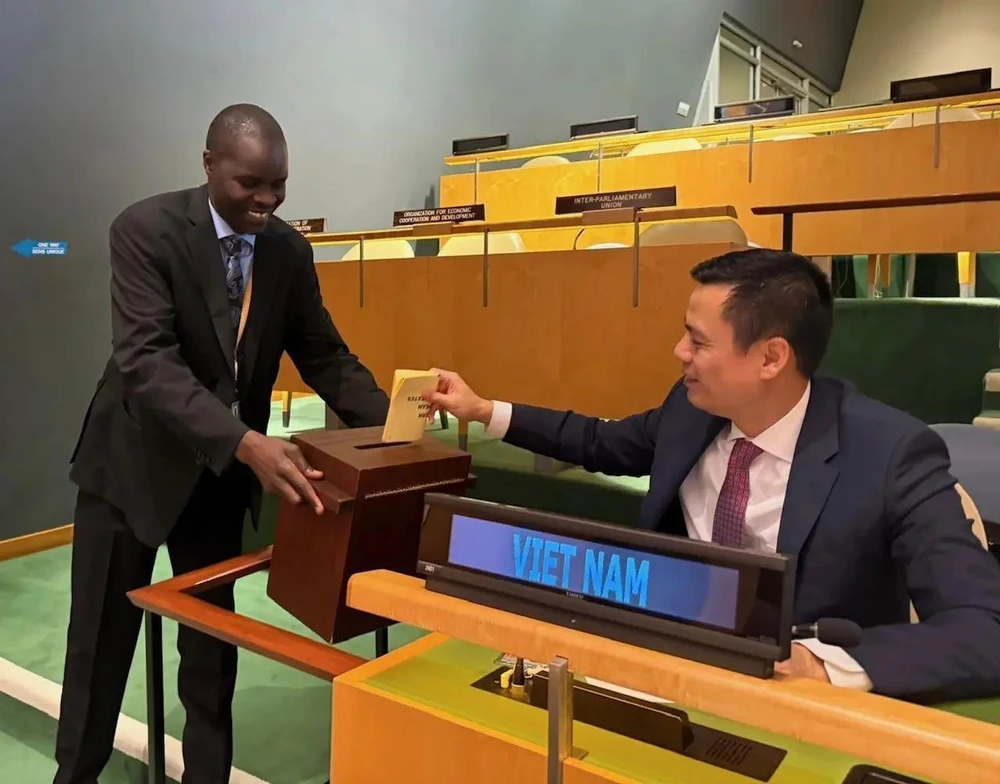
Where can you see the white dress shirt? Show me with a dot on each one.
(699, 493)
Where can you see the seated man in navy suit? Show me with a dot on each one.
(752, 449)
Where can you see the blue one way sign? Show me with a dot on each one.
(36, 248)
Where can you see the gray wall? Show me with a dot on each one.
(105, 101)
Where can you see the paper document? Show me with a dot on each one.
(408, 411)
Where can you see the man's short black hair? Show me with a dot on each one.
(237, 121)
(775, 293)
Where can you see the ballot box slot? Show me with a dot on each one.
(657, 724)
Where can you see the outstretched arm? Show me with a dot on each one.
(622, 447)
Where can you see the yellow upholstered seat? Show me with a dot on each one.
(380, 249)
(953, 114)
(669, 145)
(694, 232)
(544, 160)
(472, 244)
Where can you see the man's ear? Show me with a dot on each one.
(777, 355)
(207, 162)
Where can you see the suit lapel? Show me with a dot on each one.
(812, 475)
(266, 279)
(205, 258)
(698, 429)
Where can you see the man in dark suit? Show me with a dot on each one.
(752, 449)
(208, 289)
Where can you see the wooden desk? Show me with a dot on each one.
(953, 157)
(789, 211)
(922, 741)
(525, 326)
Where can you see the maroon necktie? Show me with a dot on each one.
(731, 511)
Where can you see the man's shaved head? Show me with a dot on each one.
(238, 121)
(246, 163)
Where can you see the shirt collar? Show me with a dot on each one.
(780, 438)
(222, 229)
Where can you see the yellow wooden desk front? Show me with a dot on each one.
(548, 324)
(428, 727)
(445, 729)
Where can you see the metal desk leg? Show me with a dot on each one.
(381, 641)
(560, 746)
(786, 230)
(154, 698)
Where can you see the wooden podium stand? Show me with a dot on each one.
(373, 499)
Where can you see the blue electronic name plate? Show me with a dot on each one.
(659, 584)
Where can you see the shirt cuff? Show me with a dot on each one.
(500, 421)
(841, 668)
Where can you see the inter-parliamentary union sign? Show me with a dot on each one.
(616, 200)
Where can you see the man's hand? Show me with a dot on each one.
(454, 396)
(280, 467)
(803, 663)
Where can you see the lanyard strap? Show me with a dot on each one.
(244, 312)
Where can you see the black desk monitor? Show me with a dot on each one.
(724, 607)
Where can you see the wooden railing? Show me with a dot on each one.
(823, 122)
(575, 220)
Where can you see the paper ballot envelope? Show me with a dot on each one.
(408, 411)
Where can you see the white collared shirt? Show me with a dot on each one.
(699, 494)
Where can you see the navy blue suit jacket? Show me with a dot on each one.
(870, 511)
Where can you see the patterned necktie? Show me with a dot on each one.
(731, 510)
(234, 247)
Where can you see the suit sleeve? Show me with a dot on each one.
(954, 584)
(622, 447)
(155, 376)
(323, 358)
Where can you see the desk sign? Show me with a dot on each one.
(616, 200)
(308, 225)
(459, 214)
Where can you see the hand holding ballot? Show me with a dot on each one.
(457, 398)
(409, 412)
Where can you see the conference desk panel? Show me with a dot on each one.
(443, 723)
(559, 329)
(446, 729)
(949, 158)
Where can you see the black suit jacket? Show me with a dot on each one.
(870, 512)
(162, 412)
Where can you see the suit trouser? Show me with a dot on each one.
(108, 561)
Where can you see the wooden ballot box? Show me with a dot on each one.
(373, 500)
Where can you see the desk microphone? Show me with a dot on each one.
(831, 631)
